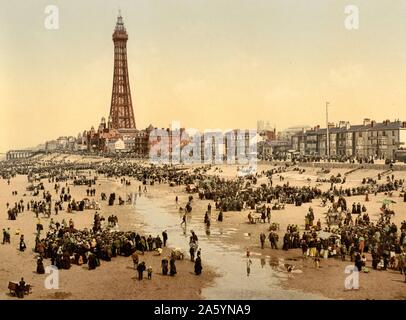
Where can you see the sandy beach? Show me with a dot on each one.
(116, 279)
(229, 240)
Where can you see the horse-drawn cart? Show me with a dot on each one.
(13, 287)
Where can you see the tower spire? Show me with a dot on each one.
(121, 110)
(120, 22)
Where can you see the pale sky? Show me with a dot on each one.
(207, 63)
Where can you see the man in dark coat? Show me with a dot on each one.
(165, 237)
(20, 289)
(262, 238)
(141, 268)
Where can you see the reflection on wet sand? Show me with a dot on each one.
(238, 278)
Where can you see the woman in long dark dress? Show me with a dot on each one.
(164, 265)
(22, 243)
(66, 261)
(198, 265)
(192, 252)
(172, 266)
(92, 261)
(40, 266)
(220, 217)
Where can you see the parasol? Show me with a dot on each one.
(387, 201)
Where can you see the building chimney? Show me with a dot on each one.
(367, 122)
(404, 124)
(373, 122)
(344, 124)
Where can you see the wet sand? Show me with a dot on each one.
(306, 282)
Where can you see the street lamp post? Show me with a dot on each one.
(328, 131)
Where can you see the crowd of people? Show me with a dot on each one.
(351, 238)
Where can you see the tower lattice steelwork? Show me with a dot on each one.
(121, 110)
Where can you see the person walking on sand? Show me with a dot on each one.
(164, 266)
(135, 259)
(317, 261)
(220, 216)
(192, 251)
(172, 266)
(268, 214)
(183, 220)
(22, 243)
(249, 263)
(164, 237)
(4, 236)
(141, 268)
(262, 238)
(198, 265)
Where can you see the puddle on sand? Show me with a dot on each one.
(238, 279)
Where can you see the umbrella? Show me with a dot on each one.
(387, 201)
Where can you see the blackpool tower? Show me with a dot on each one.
(121, 110)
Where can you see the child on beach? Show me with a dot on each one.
(149, 270)
(317, 262)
